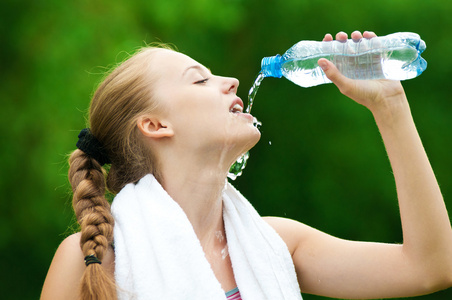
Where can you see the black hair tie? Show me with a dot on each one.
(91, 259)
(92, 147)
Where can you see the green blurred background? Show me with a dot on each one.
(320, 159)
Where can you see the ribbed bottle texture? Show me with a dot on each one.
(396, 56)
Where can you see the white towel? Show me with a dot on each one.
(158, 255)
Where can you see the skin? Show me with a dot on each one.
(325, 265)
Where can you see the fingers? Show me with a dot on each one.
(356, 36)
(341, 36)
(369, 34)
(333, 73)
(328, 38)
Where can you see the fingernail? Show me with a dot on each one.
(323, 65)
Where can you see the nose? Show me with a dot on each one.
(231, 85)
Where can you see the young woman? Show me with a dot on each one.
(180, 233)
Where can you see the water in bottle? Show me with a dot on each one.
(395, 56)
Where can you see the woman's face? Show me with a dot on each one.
(203, 109)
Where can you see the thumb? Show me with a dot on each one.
(334, 74)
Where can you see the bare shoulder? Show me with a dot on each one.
(66, 269)
(70, 246)
(291, 231)
(69, 254)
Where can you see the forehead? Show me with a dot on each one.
(167, 70)
(171, 63)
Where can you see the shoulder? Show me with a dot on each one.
(292, 232)
(69, 252)
(67, 269)
(71, 244)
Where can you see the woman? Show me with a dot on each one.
(164, 114)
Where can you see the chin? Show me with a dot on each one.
(242, 140)
(252, 140)
(256, 137)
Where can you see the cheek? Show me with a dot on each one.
(202, 126)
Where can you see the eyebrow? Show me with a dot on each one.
(198, 67)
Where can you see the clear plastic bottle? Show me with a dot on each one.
(395, 56)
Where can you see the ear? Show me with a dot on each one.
(153, 127)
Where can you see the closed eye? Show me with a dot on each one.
(202, 81)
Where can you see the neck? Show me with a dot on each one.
(199, 193)
(195, 178)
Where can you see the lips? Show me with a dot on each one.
(236, 106)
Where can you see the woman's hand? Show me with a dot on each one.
(376, 95)
(339, 268)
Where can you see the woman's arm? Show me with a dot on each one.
(423, 263)
(66, 270)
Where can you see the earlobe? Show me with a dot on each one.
(154, 128)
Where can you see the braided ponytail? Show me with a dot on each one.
(92, 210)
(113, 138)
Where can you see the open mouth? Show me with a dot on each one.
(236, 107)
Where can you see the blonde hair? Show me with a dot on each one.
(123, 96)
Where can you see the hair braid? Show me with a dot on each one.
(92, 210)
(121, 98)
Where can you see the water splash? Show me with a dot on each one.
(238, 167)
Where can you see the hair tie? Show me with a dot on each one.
(91, 259)
(92, 147)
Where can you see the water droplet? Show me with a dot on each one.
(219, 236)
(224, 252)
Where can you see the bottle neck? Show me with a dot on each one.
(271, 66)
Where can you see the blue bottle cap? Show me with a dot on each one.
(271, 66)
(421, 46)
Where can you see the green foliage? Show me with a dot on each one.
(320, 159)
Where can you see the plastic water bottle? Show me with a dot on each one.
(395, 56)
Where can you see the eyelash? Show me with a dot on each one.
(202, 81)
